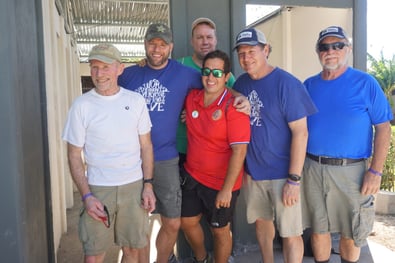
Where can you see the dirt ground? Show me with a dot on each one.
(384, 231)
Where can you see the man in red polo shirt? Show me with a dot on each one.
(218, 136)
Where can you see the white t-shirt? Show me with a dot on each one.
(108, 129)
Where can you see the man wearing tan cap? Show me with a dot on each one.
(203, 41)
(111, 125)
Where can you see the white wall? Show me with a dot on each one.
(63, 85)
(293, 35)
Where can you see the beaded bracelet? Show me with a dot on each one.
(85, 196)
(375, 172)
(293, 183)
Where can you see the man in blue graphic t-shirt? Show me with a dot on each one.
(164, 83)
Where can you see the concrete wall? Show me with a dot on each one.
(62, 67)
(385, 203)
(63, 85)
(293, 36)
(25, 218)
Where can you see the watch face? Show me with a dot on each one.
(294, 177)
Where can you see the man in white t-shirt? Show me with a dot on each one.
(112, 127)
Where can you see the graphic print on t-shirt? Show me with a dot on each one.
(154, 94)
(256, 105)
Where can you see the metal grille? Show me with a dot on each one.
(122, 23)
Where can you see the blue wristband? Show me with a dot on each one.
(85, 196)
(293, 182)
(375, 172)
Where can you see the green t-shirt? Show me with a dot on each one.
(182, 130)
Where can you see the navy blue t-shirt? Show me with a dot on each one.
(164, 91)
(276, 100)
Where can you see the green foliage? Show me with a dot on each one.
(383, 70)
(388, 179)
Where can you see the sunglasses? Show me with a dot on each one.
(217, 73)
(106, 219)
(333, 46)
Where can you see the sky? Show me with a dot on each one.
(380, 30)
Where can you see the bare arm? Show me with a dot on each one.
(147, 197)
(235, 165)
(297, 156)
(241, 102)
(77, 169)
(382, 138)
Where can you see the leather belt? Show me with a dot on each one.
(333, 161)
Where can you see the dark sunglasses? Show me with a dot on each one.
(106, 219)
(333, 46)
(217, 73)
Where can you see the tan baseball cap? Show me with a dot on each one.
(106, 53)
(203, 20)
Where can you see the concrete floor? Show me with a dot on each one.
(70, 249)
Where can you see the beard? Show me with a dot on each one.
(342, 61)
(155, 63)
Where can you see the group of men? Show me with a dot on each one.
(323, 130)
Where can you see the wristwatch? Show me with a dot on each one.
(148, 181)
(294, 177)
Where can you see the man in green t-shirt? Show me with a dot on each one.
(203, 41)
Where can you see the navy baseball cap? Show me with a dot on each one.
(161, 31)
(332, 31)
(250, 37)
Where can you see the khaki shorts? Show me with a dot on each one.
(167, 188)
(129, 223)
(334, 200)
(264, 200)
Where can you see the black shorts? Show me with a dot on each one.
(199, 199)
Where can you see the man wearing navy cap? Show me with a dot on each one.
(275, 155)
(164, 83)
(339, 180)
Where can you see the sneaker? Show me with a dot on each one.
(208, 259)
(172, 259)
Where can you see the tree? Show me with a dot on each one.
(383, 70)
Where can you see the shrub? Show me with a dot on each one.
(388, 179)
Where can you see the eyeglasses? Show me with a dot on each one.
(106, 219)
(217, 73)
(333, 46)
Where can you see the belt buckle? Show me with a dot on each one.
(344, 162)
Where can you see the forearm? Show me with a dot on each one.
(77, 169)
(236, 163)
(382, 139)
(147, 156)
(298, 146)
(234, 92)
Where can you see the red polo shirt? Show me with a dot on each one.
(211, 131)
